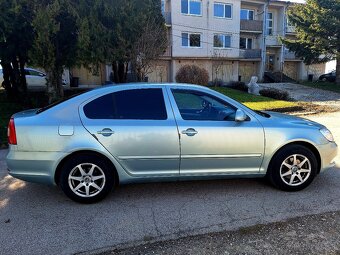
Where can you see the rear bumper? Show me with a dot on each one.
(36, 167)
(327, 152)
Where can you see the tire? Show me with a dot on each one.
(87, 178)
(293, 168)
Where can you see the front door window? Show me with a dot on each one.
(270, 62)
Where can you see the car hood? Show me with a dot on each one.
(280, 118)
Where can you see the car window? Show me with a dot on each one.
(196, 105)
(136, 104)
(33, 73)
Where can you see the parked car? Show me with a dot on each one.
(169, 132)
(34, 78)
(331, 77)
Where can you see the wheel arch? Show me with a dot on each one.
(308, 145)
(75, 154)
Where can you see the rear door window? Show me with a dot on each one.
(135, 104)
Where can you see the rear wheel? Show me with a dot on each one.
(86, 178)
(293, 168)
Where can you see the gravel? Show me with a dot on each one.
(314, 234)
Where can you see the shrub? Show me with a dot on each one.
(275, 94)
(192, 74)
(239, 86)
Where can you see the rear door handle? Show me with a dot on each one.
(106, 132)
(189, 132)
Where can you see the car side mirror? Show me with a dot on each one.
(240, 115)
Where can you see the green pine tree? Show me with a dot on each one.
(317, 32)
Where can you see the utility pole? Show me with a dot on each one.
(264, 35)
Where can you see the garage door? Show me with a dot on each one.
(223, 72)
(291, 70)
(246, 71)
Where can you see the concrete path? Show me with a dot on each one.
(35, 219)
(302, 93)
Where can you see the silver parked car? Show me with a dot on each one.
(161, 132)
(34, 78)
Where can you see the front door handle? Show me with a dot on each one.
(106, 132)
(189, 132)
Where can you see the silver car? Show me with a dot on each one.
(161, 132)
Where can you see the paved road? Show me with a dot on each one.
(36, 219)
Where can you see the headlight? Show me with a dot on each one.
(327, 134)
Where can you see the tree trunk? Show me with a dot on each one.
(115, 72)
(55, 90)
(338, 69)
(23, 82)
(121, 72)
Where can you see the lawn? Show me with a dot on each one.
(331, 86)
(253, 102)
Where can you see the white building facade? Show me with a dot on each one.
(232, 39)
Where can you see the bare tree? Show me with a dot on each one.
(218, 61)
(151, 44)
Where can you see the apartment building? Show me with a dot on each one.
(232, 39)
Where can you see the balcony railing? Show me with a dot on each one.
(290, 29)
(290, 55)
(167, 52)
(251, 25)
(167, 17)
(250, 53)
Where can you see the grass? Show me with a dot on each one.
(330, 86)
(256, 102)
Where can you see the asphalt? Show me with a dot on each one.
(36, 219)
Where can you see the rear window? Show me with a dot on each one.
(137, 104)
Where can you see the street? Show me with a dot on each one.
(37, 219)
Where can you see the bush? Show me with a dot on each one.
(239, 86)
(275, 94)
(192, 74)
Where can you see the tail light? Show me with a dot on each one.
(12, 136)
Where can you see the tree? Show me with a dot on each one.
(56, 41)
(16, 38)
(317, 32)
(126, 28)
(151, 43)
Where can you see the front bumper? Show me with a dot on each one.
(328, 153)
(36, 167)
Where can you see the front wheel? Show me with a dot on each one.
(293, 168)
(86, 178)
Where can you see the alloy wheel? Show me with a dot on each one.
(86, 180)
(295, 170)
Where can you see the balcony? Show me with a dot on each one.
(167, 52)
(167, 17)
(255, 26)
(250, 53)
(289, 55)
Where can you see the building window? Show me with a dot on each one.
(246, 43)
(191, 40)
(247, 14)
(222, 41)
(222, 10)
(270, 23)
(191, 7)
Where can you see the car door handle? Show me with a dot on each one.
(106, 132)
(189, 132)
